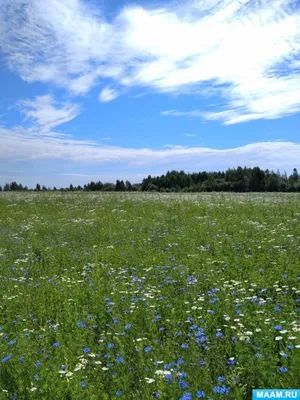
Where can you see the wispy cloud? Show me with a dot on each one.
(24, 145)
(45, 113)
(245, 51)
(189, 135)
(108, 94)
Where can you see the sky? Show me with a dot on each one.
(114, 89)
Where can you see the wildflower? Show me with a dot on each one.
(184, 346)
(200, 394)
(231, 361)
(119, 393)
(7, 358)
(120, 360)
(186, 396)
(83, 385)
(221, 378)
(150, 380)
(147, 349)
(182, 375)
(12, 342)
(221, 389)
(283, 370)
(127, 326)
(56, 344)
(219, 335)
(278, 327)
(86, 350)
(183, 385)
(156, 395)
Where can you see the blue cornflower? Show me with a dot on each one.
(110, 345)
(258, 355)
(284, 355)
(169, 378)
(7, 358)
(86, 350)
(190, 278)
(119, 393)
(156, 395)
(38, 364)
(221, 389)
(12, 342)
(183, 385)
(221, 378)
(277, 308)
(182, 375)
(184, 346)
(147, 349)
(120, 360)
(128, 326)
(81, 324)
(63, 367)
(230, 362)
(36, 377)
(83, 385)
(219, 335)
(186, 396)
(22, 358)
(56, 344)
(200, 394)
(278, 327)
(283, 370)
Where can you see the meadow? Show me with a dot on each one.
(142, 296)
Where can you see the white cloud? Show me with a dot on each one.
(45, 113)
(189, 135)
(246, 51)
(108, 94)
(25, 145)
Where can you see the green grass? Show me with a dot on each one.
(102, 293)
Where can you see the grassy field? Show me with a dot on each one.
(142, 296)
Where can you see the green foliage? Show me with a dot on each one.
(102, 293)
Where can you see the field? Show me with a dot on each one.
(142, 296)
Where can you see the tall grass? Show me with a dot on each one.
(142, 296)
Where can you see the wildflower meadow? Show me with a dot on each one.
(141, 296)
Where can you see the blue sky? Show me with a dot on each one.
(101, 90)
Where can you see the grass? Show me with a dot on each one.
(141, 296)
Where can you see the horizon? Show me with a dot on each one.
(91, 92)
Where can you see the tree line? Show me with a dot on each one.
(232, 180)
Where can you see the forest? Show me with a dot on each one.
(232, 180)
